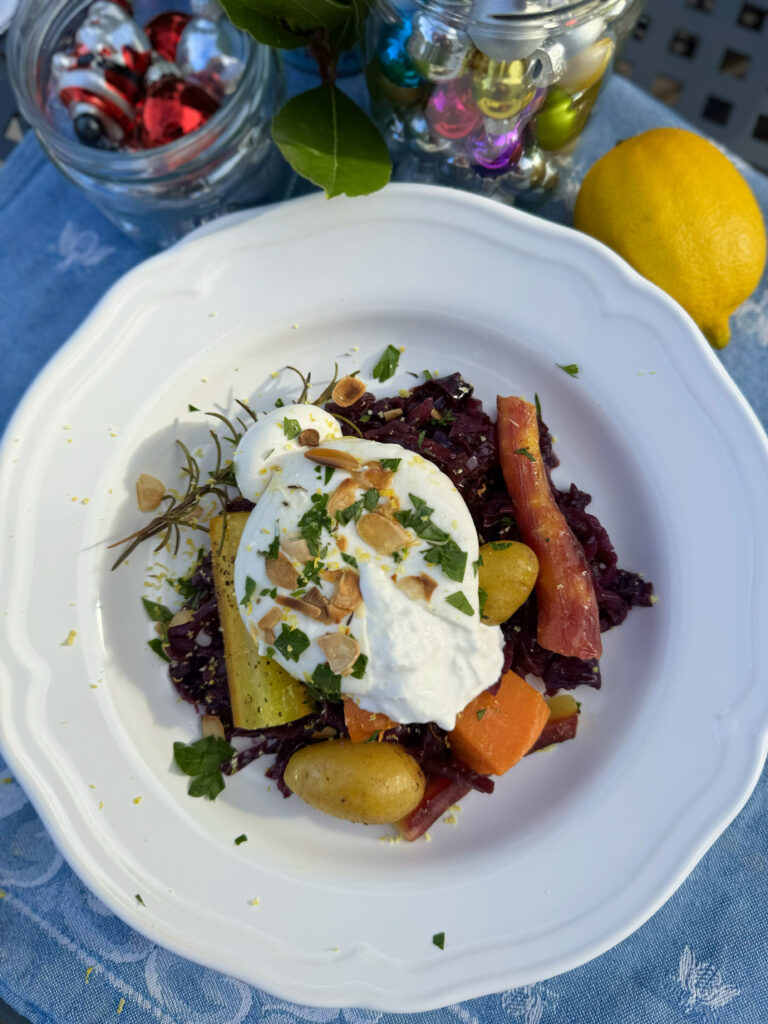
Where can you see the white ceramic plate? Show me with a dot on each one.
(579, 845)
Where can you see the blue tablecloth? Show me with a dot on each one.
(65, 958)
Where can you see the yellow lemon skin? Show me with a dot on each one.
(680, 213)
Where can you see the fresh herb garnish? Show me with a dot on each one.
(156, 611)
(314, 521)
(451, 559)
(444, 551)
(349, 559)
(140, 900)
(500, 545)
(537, 403)
(267, 592)
(310, 572)
(325, 685)
(480, 712)
(241, 839)
(428, 375)
(422, 435)
(203, 760)
(526, 453)
(365, 417)
(367, 503)
(329, 471)
(279, 403)
(250, 586)
(291, 643)
(192, 408)
(157, 646)
(482, 597)
(387, 365)
(439, 940)
(374, 736)
(360, 665)
(572, 369)
(391, 464)
(459, 600)
(291, 428)
(477, 563)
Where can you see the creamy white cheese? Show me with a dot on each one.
(426, 658)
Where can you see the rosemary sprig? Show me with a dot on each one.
(306, 381)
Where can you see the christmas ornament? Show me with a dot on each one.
(173, 108)
(437, 51)
(587, 67)
(563, 116)
(110, 34)
(500, 88)
(205, 55)
(393, 56)
(547, 64)
(579, 37)
(499, 37)
(531, 171)
(500, 127)
(451, 112)
(382, 88)
(495, 152)
(420, 136)
(165, 31)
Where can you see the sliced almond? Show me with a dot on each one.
(297, 604)
(341, 651)
(333, 457)
(347, 594)
(281, 573)
(348, 391)
(418, 588)
(270, 620)
(149, 492)
(384, 535)
(341, 542)
(309, 438)
(373, 474)
(391, 414)
(316, 597)
(180, 618)
(297, 549)
(212, 726)
(344, 496)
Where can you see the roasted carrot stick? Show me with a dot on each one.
(568, 618)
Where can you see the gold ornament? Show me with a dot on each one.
(499, 87)
(587, 67)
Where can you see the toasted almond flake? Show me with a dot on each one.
(333, 457)
(347, 594)
(149, 492)
(316, 597)
(270, 619)
(384, 535)
(341, 651)
(373, 474)
(418, 588)
(296, 604)
(348, 391)
(391, 414)
(336, 614)
(212, 726)
(297, 549)
(309, 438)
(180, 618)
(344, 496)
(281, 573)
(341, 542)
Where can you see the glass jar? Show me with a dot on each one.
(490, 95)
(155, 195)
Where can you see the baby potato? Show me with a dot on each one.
(373, 783)
(507, 574)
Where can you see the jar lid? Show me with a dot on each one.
(501, 11)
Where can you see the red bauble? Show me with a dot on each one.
(165, 30)
(173, 108)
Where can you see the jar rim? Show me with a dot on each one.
(459, 14)
(26, 76)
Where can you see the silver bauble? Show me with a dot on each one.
(437, 51)
(206, 56)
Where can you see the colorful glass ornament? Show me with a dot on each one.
(451, 111)
(495, 152)
(588, 66)
(110, 34)
(420, 136)
(382, 88)
(165, 31)
(437, 50)
(500, 88)
(171, 109)
(393, 58)
(563, 116)
(205, 55)
(579, 37)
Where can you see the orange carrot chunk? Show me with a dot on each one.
(568, 617)
(494, 731)
(362, 724)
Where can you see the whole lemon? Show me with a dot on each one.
(680, 213)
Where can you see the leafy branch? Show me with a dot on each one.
(324, 135)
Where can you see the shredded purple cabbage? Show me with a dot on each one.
(442, 421)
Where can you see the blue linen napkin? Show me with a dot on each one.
(66, 959)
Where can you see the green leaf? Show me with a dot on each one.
(209, 785)
(192, 408)
(314, 521)
(451, 559)
(268, 30)
(459, 600)
(328, 139)
(374, 736)
(157, 647)
(391, 464)
(291, 428)
(370, 499)
(250, 586)
(349, 559)
(360, 665)
(482, 597)
(329, 471)
(304, 14)
(291, 643)
(537, 403)
(387, 365)
(502, 545)
(480, 712)
(241, 839)
(526, 453)
(140, 900)
(203, 760)
(572, 369)
(439, 940)
(325, 685)
(156, 611)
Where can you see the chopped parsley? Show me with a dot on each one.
(367, 503)
(349, 559)
(273, 551)
(422, 435)
(500, 545)
(387, 365)
(314, 521)
(325, 685)
(537, 403)
(480, 712)
(459, 600)
(156, 611)
(360, 665)
(140, 900)
(192, 408)
(572, 369)
(291, 428)
(310, 572)
(477, 563)
(438, 939)
(482, 597)
(203, 760)
(391, 464)
(329, 471)
(374, 736)
(365, 417)
(428, 375)
(241, 839)
(291, 643)
(444, 551)
(157, 646)
(526, 453)
(268, 593)
(279, 403)
(250, 586)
